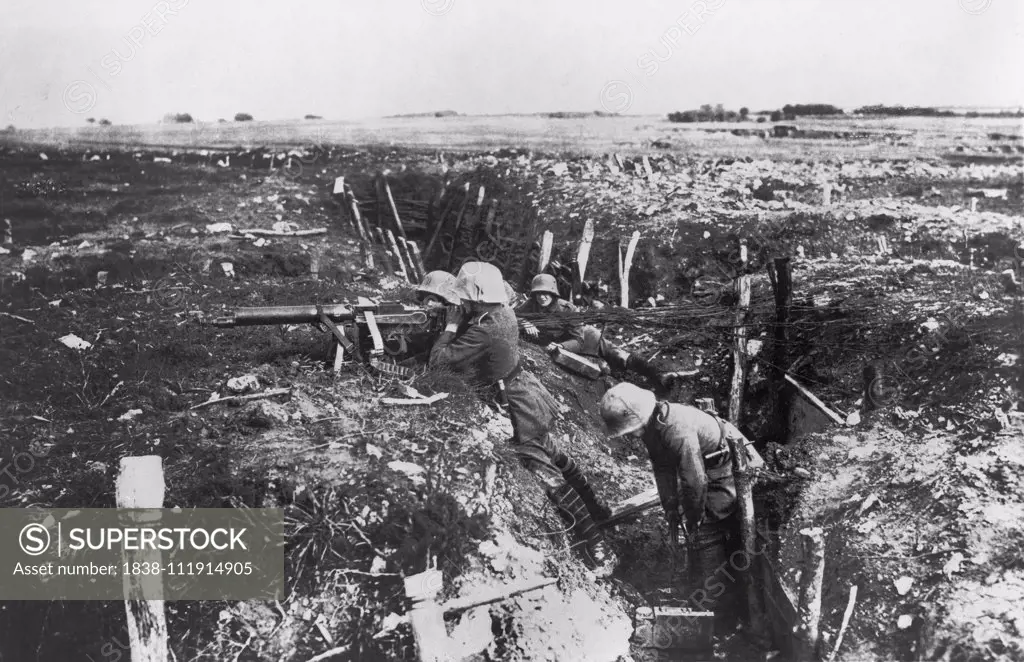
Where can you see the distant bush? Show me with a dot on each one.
(762, 119)
(312, 117)
(104, 122)
(744, 111)
(10, 129)
(222, 121)
(708, 114)
(243, 117)
(91, 120)
(177, 118)
(904, 111)
(776, 116)
(790, 111)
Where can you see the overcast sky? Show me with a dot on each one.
(134, 60)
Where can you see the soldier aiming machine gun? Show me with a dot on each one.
(367, 331)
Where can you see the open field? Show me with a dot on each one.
(114, 238)
(891, 138)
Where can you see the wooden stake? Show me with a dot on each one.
(387, 259)
(846, 621)
(545, 250)
(583, 256)
(417, 258)
(647, 167)
(624, 268)
(780, 272)
(398, 254)
(140, 484)
(739, 353)
(826, 195)
(364, 233)
(748, 534)
(394, 209)
(810, 594)
(403, 246)
(974, 204)
(439, 223)
(458, 224)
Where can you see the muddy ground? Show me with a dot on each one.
(114, 247)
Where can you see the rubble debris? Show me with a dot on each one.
(129, 415)
(905, 621)
(243, 384)
(903, 585)
(74, 342)
(217, 228)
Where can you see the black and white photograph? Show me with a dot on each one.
(494, 331)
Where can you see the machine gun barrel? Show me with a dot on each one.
(387, 313)
(284, 315)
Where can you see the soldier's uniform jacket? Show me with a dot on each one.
(486, 351)
(677, 439)
(548, 332)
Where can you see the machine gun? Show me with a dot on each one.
(367, 331)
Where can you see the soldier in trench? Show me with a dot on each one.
(696, 491)
(580, 338)
(481, 342)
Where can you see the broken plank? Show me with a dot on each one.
(290, 233)
(414, 401)
(836, 418)
(633, 506)
(244, 398)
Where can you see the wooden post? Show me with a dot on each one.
(647, 167)
(458, 222)
(748, 534)
(418, 258)
(364, 234)
(826, 195)
(780, 272)
(545, 250)
(739, 353)
(439, 223)
(974, 204)
(810, 594)
(624, 268)
(140, 484)
(410, 259)
(393, 244)
(426, 616)
(394, 208)
(389, 267)
(583, 256)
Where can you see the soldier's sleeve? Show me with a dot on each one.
(693, 479)
(525, 307)
(665, 477)
(460, 351)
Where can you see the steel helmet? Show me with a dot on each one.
(441, 284)
(626, 408)
(481, 282)
(544, 283)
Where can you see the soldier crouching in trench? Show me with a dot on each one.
(698, 492)
(581, 338)
(485, 350)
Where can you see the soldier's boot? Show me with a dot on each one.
(590, 542)
(597, 507)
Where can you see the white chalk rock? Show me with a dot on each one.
(74, 342)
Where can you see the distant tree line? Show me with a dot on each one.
(903, 111)
(707, 113)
